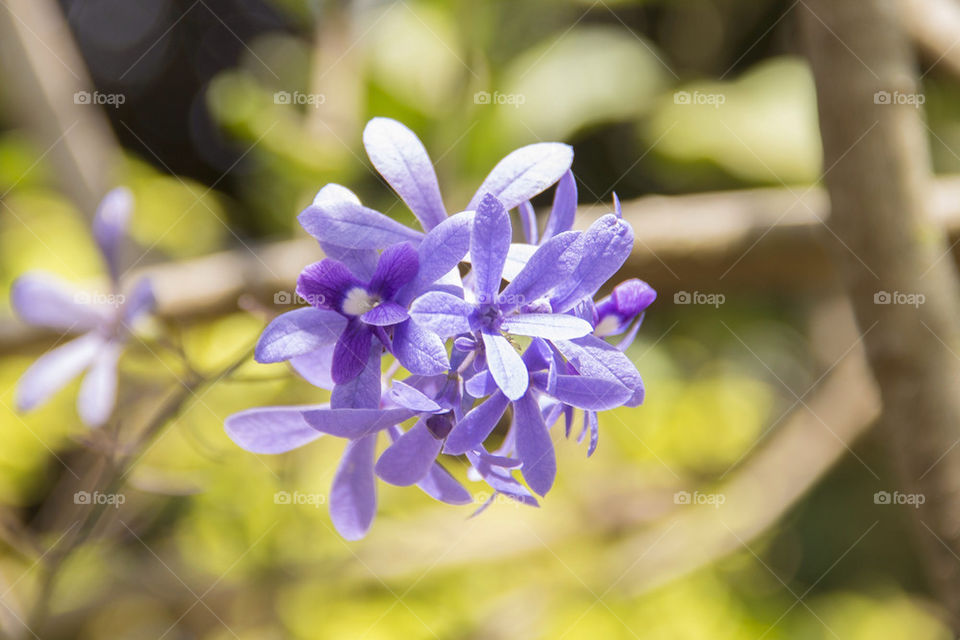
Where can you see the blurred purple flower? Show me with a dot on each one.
(104, 319)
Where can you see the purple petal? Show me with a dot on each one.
(603, 248)
(353, 226)
(505, 365)
(594, 424)
(440, 485)
(547, 325)
(419, 351)
(397, 266)
(272, 429)
(408, 460)
(593, 357)
(597, 394)
(56, 368)
(470, 432)
(353, 496)
(315, 367)
(110, 226)
(298, 332)
(534, 445)
(564, 206)
(139, 300)
(528, 220)
(489, 244)
(501, 481)
(444, 314)
(46, 301)
(385, 314)
(98, 391)
(364, 390)
(546, 268)
(355, 423)
(351, 353)
(481, 385)
(324, 284)
(412, 398)
(441, 251)
(401, 159)
(362, 262)
(525, 173)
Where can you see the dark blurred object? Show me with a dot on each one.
(160, 55)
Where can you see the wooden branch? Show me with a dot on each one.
(759, 240)
(887, 240)
(935, 25)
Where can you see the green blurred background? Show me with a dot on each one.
(201, 549)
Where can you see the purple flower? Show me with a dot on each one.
(387, 289)
(104, 319)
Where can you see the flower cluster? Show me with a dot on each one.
(480, 325)
(104, 318)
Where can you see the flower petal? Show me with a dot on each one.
(470, 432)
(583, 392)
(316, 366)
(441, 251)
(528, 220)
(412, 398)
(603, 248)
(355, 423)
(272, 429)
(546, 268)
(385, 314)
(418, 350)
(324, 284)
(298, 332)
(398, 265)
(442, 313)
(54, 369)
(501, 481)
(440, 485)
(353, 496)
(110, 226)
(139, 301)
(547, 325)
(353, 226)
(564, 206)
(525, 173)
(408, 460)
(534, 446)
(364, 390)
(351, 353)
(505, 365)
(362, 262)
(98, 391)
(46, 301)
(594, 357)
(489, 244)
(401, 159)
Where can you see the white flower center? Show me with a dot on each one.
(357, 302)
(607, 326)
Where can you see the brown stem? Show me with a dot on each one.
(878, 178)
